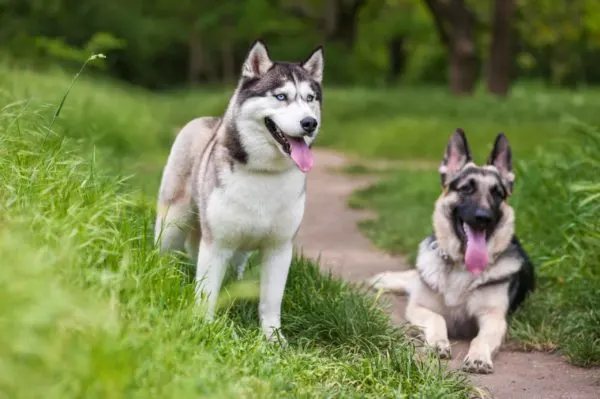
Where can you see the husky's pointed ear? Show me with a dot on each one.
(456, 157)
(257, 62)
(314, 64)
(501, 158)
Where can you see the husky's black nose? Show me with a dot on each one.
(309, 124)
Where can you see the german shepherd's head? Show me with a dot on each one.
(472, 220)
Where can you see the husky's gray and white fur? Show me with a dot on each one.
(236, 184)
(472, 273)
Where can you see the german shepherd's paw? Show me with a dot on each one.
(478, 363)
(391, 281)
(379, 281)
(443, 349)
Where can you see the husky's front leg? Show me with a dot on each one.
(492, 328)
(210, 272)
(275, 267)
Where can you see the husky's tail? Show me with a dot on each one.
(398, 282)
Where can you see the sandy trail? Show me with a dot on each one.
(330, 231)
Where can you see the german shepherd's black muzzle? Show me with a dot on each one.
(477, 217)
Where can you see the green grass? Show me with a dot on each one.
(557, 200)
(87, 306)
(415, 122)
(404, 203)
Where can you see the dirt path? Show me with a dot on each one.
(329, 231)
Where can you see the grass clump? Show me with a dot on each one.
(557, 202)
(90, 309)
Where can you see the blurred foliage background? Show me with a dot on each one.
(165, 44)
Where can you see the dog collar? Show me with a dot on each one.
(450, 262)
(445, 256)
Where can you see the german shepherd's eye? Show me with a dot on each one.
(497, 193)
(310, 98)
(281, 97)
(468, 188)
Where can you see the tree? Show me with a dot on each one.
(338, 19)
(397, 56)
(558, 36)
(346, 20)
(500, 59)
(455, 25)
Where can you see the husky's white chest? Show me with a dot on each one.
(250, 210)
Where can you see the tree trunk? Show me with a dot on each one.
(196, 59)
(347, 21)
(228, 62)
(228, 55)
(455, 26)
(397, 57)
(338, 21)
(330, 17)
(499, 67)
(463, 66)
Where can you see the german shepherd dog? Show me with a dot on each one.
(472, 273)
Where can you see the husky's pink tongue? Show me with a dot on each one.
(301, 154)
(476, 255)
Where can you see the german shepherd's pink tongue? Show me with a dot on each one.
(301, 154)
(476, 255)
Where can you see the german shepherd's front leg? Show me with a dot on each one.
(434, 326)
(275, 267)
(492, 328)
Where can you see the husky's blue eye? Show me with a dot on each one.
(310, 98)
(281, 97)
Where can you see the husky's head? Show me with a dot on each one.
(278, 107)
(472, 218)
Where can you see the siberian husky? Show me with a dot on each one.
(235, 184)
(472, 272)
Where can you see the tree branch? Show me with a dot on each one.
(439, 12)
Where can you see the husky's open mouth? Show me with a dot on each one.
(475, 240)
(295, 147)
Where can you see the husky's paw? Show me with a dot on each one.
(478, 364)
(442, 347)
(275, 336)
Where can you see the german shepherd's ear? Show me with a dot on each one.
(501, 158)
(456, 157)
(314, 64)
(257, 62)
